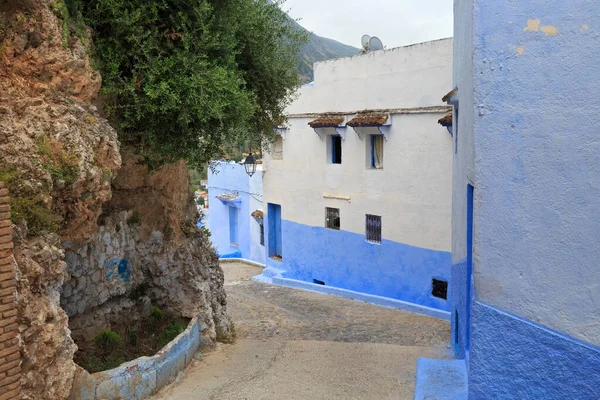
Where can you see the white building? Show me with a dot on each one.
(357, 190)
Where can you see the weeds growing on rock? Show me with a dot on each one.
(134, 219)
(30, 208)
(62, 165)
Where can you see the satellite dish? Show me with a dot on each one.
(375, 44)
(365, 41)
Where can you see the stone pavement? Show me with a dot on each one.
(294, 344)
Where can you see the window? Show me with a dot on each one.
(373, 228)
(439, 289)
(233, 226)
(278, 148)
(332, 218)
(262, 234)
(336, 149)
(375, 152)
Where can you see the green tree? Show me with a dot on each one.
(184, 79)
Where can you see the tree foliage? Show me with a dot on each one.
(185, 78)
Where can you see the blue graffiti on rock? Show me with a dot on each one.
(124, 270)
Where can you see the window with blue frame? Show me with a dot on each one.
(375, 152)
(336, 149)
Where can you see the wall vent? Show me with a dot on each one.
(439, 288)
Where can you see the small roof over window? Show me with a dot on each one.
(370, 119)
(446, 120)
(230, 199)
(327, 121)
(258, 214)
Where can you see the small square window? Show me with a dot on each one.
(336, 149)
(375, 153)
(439, 289)
(332, 218)
(373, 228)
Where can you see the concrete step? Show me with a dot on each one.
(441, 380)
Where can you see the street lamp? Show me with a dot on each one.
(250, 165)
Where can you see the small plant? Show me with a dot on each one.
(107, 341)
(106, 175)
(134, 219)
(133, 336)
(172, 330)
(35, 213)
(61, 164)
(140, 291)
(156, 315)
(205, 232)
(226, 337)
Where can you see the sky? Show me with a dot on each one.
(395, 22)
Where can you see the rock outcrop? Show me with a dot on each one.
(58, 156)
(148, 239)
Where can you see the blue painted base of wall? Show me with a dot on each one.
(458, 301)
(512, 358)
(345, 260)
(270, 276)
(232, 254)
(441, 380)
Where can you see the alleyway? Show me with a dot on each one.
(294, 344)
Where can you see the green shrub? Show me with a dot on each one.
(134, 219)
(156, 317)
(92, 363)
(172, 330)
(107, 341)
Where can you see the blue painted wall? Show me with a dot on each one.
(346, 260)
(513, 358)
(527, 78)
(229, 179)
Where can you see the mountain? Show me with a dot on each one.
(320, 49)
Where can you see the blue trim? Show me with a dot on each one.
(274, 231)
(469, 271)
(233, 226)
(514, 358)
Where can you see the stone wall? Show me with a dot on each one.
(140, 378)
(10, 355)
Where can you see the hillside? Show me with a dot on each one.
(320, 49)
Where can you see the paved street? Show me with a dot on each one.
(294, 344)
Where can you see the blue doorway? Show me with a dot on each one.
(275, 245)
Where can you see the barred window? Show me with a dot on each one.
(332, 218)
(262, 234)
(373, 225)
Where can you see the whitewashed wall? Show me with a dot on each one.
(405, 77)
(413, 191)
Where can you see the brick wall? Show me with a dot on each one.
(10, 356)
